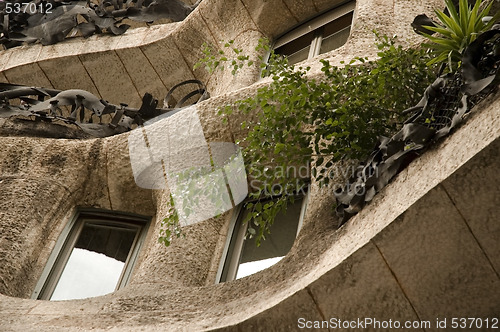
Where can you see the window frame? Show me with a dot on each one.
(67, 240)
(315, 25)
(239, 229)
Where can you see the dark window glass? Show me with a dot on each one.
(276, 245)
(298, 49)
(320, 35)
(336, 33)
(245, 258)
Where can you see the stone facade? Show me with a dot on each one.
(425, 248)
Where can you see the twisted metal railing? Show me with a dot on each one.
(443, 107)
(94, 116)
(51, 21)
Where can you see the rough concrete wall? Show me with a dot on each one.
(42, 182)
(38, 183)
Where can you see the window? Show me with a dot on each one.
(317, 36)
(93, 256)
(242, 257)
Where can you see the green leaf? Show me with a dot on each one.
(446, 32)
(472, 19)
(449, 23)
(463, 9)
(279, 147)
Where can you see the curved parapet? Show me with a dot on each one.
(425, 248)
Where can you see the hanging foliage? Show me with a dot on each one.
(441, 109)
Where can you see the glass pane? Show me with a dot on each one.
(275, 246)
(334, 41)
(95, 263)
(299, 56)
(298, 49)
(249, 268)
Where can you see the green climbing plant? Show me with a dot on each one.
(170, 226)
(214, 60)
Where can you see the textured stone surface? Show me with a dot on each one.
(226, 20)
(3, 79)
(320, 259)
(264, 15)
(69, 48)
(123, 193)
(188, 40)
(362, 286)
(304, 9)
(168, 63)
(41, 181)
(299, 305)
(111, 78)
(223, 80)
(30, 74)
(74, 74)
(142, 73)
(438, 262)
(4, 59)
(475, 191)
(23, 55)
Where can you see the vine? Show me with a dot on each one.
(315, 123)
